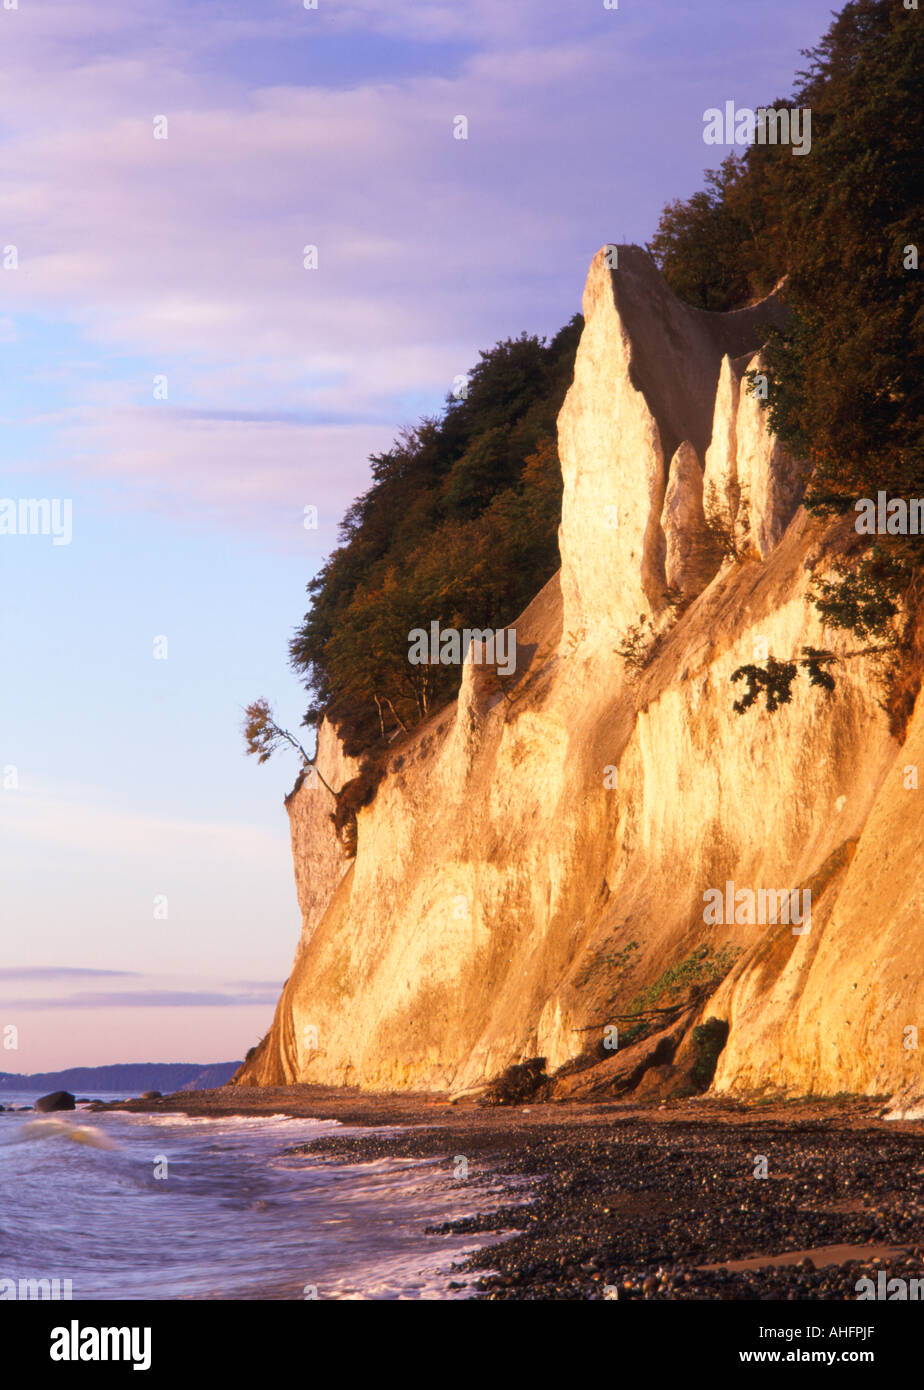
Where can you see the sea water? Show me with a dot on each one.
(120, 1206)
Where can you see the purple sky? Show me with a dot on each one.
(182, 258)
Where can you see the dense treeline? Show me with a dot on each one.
(844, 223)
(459, 527)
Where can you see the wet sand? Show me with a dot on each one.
(645, 1202)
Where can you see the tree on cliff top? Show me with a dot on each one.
(460, 527)
(846, 376)
(846, 387)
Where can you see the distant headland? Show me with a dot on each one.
(124, 1076)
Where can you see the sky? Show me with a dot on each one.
(184, 382)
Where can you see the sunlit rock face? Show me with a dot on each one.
(690, 557)
(752, 486)
(770, 481)
(645, 382)
(319, 858)
(721, 493)
(531, 865)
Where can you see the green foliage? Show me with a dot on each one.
(775, 678)
(865, 598)
(638, 646)
(620, 961)
(688, 981)
(846, 374)
(814, 663)
(459, 527)
(718, 249)
(611, 965)
(709, 1038)
(262, 737)
(699, 973)
(721, 530)
(351, 798)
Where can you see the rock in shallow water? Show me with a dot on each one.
(55, 1100)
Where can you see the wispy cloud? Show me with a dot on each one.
(249, 470)
(189, 254)
(146, 999)
(55, 972)
(49, 816)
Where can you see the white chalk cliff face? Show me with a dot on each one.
(529, 867)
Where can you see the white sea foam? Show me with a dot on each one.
(91, 1135)
(213, 1207)
(232, 1121)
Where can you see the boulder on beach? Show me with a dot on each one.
(151, 1095)
(55, 1100)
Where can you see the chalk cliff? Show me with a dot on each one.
(532, 870)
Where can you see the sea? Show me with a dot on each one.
(123, 1206)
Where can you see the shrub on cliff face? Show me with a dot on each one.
(257, 1048)
(351, 798)
(638, 646)
(773, 679)
(709, 1039)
